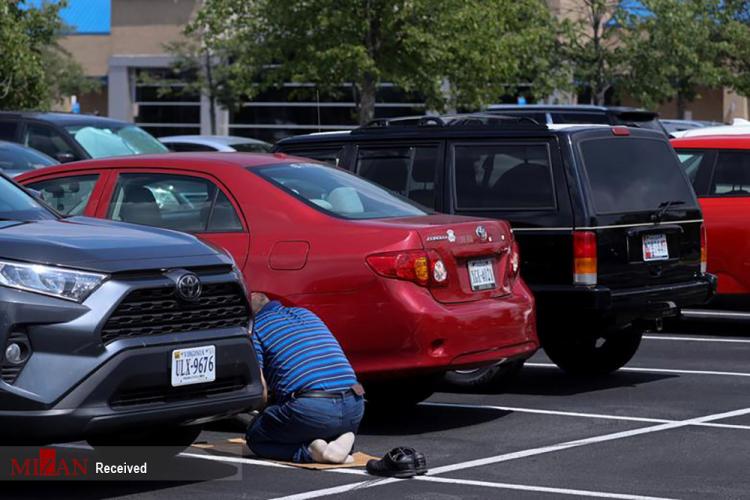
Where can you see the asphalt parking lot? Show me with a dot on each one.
(674, 424)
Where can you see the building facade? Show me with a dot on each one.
(125, 47)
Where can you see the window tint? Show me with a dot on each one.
(223, 217)
(538, 116)
(332, 156)
(732, 174)
(691, 162)
(336, 191)
(252, 147)
(185, 147)
(575, 117)
(8, 131)
(503, 177)
(408, 171)
(15, 159)
(47, 140)
(178, 202)
(631, 175)
(67, 195)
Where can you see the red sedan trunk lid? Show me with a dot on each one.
(463, 243)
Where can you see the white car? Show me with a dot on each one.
(738, 127)
(227, 143)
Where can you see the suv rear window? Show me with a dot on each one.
(336, 192)
(632, 175)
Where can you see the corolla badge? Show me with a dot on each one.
(449, 235)
(189, 287)
(481, 233)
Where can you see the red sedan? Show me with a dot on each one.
(719, 168)
(408, 294)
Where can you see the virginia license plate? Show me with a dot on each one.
(193, 366)
(655, 247)
(481, 275)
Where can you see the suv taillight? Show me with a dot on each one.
(425, 268)
(584, 258)
(704, 249)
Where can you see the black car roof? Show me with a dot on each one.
(63, 118)
(380, 129)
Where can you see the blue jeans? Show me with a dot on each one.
(283, 431)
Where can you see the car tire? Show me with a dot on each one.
(402, 393)
(593, 354)
(488, 377)
(165, 441)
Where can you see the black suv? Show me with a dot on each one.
(72, 137)
(116, 333)
(609, 227)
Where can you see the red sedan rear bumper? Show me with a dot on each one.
(396, 328)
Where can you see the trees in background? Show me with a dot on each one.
(35, 72)
(453, 53)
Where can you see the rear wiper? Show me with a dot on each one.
(663, 208)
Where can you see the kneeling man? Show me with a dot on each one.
(317, 401)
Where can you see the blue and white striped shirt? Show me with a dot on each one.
(297, 352)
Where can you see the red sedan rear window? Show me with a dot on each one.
(337, 192)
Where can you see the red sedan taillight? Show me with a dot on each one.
(584, 258)
(423, 267)
(514, 265)
(704, 249)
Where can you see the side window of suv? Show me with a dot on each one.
(330, 155)
(48, 141)
(179, 202)
(408, 171)
(67, 195)
(732, 174)
(8, 131)
(502, 177)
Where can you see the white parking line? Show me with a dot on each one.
(697, 339)
(344, 488)
(584, 442)
(657, 370)
(583, 415)
(669, 425)
(541, 489)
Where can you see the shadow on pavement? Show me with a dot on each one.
(424, 419)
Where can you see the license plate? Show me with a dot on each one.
(193, 366)
(481, 275)
(655, 247)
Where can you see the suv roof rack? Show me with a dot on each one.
(468, 120)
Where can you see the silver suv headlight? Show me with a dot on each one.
(57, 282)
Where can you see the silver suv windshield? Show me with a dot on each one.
(102, 141)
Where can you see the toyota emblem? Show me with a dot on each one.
(189, 287)
(481, 233)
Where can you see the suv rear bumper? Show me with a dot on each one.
(646, 302)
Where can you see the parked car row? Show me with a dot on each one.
(430, 246)
(608, 250)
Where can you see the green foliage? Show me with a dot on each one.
(479, 46)
(34, 71)
(590, 46)
(674, 51)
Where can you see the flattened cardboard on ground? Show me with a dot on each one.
(230, 447)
